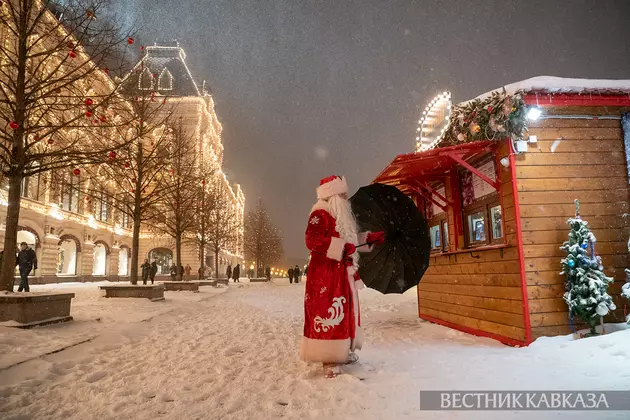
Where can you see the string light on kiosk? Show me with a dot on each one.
(434, 122)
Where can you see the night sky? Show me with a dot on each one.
(305, 89)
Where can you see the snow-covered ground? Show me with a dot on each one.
(233, 355)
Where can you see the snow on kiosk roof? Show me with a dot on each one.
(497, 190)
(545, 88)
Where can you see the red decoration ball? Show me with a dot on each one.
(490, 109)
(88, 101)
(127, 165)
(88, 114)
(77, 172)
(130, 40)
(72, 54)
(50, 141)
(112, 155)
(103, 118)
(13, 125)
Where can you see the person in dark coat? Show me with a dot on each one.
(182, 270)
(173, 271)
(268, 273)
(153, 272)
(236, 273)
(296, 274)
(290, 272)
(228, 272)
(146, 271)
(26, 261)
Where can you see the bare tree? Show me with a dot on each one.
(217, 223)
(263, 242)
(174, 216)
(133, 182)
(57, 103)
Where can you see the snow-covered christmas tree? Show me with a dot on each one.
(625, 289)
(586, 284)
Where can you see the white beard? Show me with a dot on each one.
(346, 224)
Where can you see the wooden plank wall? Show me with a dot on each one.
(581, 159)
(478, 290)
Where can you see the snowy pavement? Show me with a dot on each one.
(233, 355)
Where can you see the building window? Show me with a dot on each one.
(145, 81)
(438, 221)
(481, 206)
(101, 207)
(70, 193)
(100, 260)
(165, 81)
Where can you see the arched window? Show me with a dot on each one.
(163, 258)
(67, 256)
(31, 240)
(123, 261)
(145, 82)
(100, 259)
(165, 82)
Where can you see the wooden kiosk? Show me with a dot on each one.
(498, 189)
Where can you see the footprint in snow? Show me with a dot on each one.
(96, 376)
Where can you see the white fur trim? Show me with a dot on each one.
(335, 187)
(321, 205)
(325, 351)
(363, 239)
(335, 249)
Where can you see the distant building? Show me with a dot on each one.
(78, 242)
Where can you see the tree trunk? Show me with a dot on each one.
(216, 263)
(135, 248)
(178, 253)
(10, 234)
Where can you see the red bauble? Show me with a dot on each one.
(88, 114)
(130, 40)
(13, 125)
(142, 48)
(103, 118)
(72, 54)
(112, 155)
(88, 101)
(164, 102)
(127, 165)
(50, 141)
(77, 172)
(90, 14)
(154, 75)
(489, 109)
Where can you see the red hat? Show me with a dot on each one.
(333, 185)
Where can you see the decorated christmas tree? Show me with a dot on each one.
(586, 284)
(625, 289)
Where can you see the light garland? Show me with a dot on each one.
(436, 116)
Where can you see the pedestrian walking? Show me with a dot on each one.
(187, 270)
(26, 261)
(268, 273)
(228, 272)
(146, 271)
(153, 272)
(236, 273)
(290, 273)
(173, 272)
(296, 274)
(181, 272)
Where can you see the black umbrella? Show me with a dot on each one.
(401, 261)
